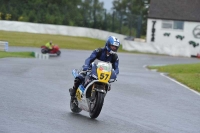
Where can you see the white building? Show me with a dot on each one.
(174, 27)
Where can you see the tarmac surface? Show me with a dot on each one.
(34, 97)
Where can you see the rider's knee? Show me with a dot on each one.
(77, 80)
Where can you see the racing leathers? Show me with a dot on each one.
(49, 46)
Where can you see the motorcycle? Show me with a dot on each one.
(91, 93)
(55, 50)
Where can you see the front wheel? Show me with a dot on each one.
(96, 105)
(43, 51)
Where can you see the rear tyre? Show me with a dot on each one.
(58, 53)
(74, 106)
(96, 105)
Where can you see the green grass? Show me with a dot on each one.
(64, 42)
(188, 74)
(4, 54)
(36, 40)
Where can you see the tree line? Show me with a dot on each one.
(126, 17)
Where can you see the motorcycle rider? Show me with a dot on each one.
(107, 54)
(49, 46)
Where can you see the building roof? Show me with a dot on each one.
(184, 10)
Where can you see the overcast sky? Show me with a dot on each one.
(107, 4)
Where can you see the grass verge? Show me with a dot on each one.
(16, 54)
(188, 74)
(36, 40)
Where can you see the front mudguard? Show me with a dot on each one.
(95, 90)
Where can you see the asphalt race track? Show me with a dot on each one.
(34, 97)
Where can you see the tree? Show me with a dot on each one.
(131, 13)
(85, 13)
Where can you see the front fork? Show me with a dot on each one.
(98, 88)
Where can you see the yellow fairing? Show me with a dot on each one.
(103, 76)
(78, 94)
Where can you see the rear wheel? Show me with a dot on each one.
(74, 106)
(58, 53)
(96, 105)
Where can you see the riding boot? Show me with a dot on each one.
(72, 91)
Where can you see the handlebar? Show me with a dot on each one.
(83, 72)
(111, 81)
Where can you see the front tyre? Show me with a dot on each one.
(43, 51)
(96, 105)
